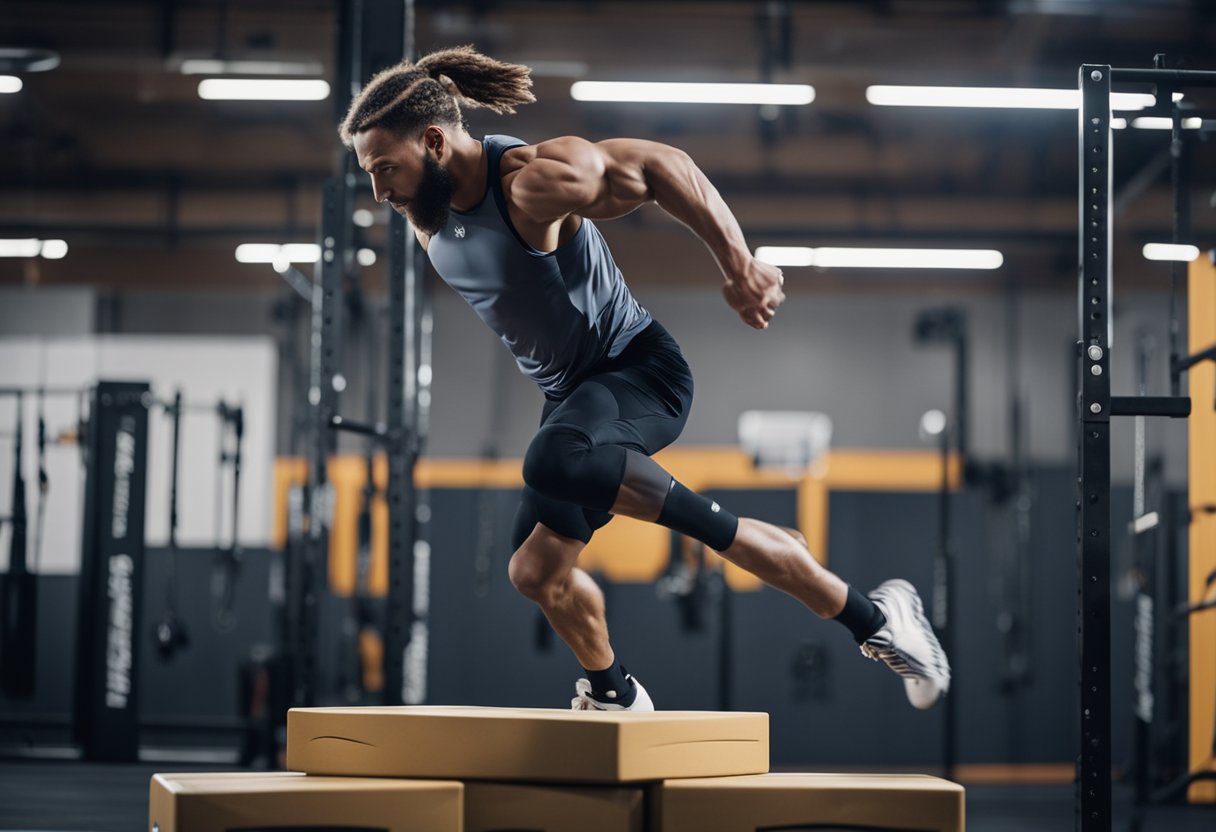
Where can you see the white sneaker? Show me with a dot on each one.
(584, 701)
(908, 645)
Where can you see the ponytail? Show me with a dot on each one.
(480, 80)
(407, 96)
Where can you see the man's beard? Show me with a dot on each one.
(428, 210)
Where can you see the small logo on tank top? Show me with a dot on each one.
(459, 231)
(715, 508)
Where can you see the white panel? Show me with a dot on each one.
(206, 369)
(240, 370)
(62, 362)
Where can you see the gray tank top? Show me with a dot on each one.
(559, 313)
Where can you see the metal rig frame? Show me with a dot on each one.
(1095, 408)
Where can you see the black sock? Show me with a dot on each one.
(610, 685)
(699, 517)
(861, 615)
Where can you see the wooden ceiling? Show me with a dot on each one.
(153, 187)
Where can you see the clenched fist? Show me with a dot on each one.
(755, 293)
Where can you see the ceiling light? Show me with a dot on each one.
(10, 83)
(364, 218)
(558, 69)
(680, 93)
(1166, 251)
(881, 258)
(996, 97)
(1162, 123)
(54, 249)
(211, 66)
(280, 256)
(262, 89)
(20, 248)
(27, 59)
(30, 247)
(365, 257)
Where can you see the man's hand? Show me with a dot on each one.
(755, 293)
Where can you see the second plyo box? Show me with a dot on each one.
(526, 744)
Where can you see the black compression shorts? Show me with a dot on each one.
(638, 400)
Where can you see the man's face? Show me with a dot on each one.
(406, 175)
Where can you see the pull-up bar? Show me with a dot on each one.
(1175, 77)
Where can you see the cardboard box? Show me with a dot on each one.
(492, 807)
(256, 801)
(871, 801)
(525, 744)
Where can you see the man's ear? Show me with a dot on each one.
(434, 141)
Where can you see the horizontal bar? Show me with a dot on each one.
(378, 430)
(1176, 407)
(1177, 77)
(1145, 522)
(192, 407)
(44, 391)
(1194, 608)
(1190, 361)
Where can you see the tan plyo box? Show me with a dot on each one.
(218, 802)
(525, 744)
(873, 801)
(491, 807)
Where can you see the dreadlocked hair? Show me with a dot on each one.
(408, 96)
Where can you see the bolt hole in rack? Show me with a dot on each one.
(1096, 405)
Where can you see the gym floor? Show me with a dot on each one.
(99, 797)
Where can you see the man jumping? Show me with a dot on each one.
(510, 227)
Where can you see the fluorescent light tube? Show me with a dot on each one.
(680, 93)
(881, 258)
(10, 83)
(786, 255)
(211, 66)
(29, 247)
(1166, 251)
(1163, 123)
(281, 256)
(262, 89)
(996, 97)
(558, 69)
(20, 248)
(54, 249)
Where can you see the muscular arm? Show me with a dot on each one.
(612, 178)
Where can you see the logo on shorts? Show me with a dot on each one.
(715, 508)
(460, 231)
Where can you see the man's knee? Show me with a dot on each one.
(551, 464)
(530, 577)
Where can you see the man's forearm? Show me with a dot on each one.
(682, 190)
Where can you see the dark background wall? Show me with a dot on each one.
(751, 651)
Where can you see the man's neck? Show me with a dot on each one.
(468, 169)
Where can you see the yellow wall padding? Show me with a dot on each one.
(347, 475)
(625, 550)
(1201, 303)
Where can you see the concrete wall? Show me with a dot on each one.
(68, 310)
(849, 355)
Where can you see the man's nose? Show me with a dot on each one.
(379, 193)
